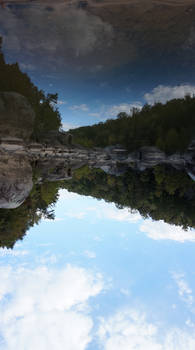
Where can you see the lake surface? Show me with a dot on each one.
(94, 254)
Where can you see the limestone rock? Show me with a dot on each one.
(15, 180)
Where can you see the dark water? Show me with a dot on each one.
(97, 243)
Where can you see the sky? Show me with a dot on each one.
(98, 277)
(103, 59)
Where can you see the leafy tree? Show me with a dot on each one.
(162, 193)
(169, 126)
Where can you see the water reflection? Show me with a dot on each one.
(171, 199)
(102, 282)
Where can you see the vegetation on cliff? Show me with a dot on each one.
(47, 116)
(170, 127)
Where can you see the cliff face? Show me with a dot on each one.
(16, 116)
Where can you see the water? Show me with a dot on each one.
(96, 245)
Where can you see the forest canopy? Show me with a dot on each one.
(170, 127)
(162, 193)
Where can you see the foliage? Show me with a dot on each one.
(47, 114)
(162, 193)
(170, 127)
(14, 223)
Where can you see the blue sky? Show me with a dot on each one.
(98, 277)
(91, 61)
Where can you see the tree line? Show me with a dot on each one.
(169, 127)
(162, 193)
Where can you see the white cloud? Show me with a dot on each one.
(83, 108)
(11, 252)
(52, 220)
(130, 330)
(27, 66)
(89, 254)
(47, 259)
(184, 290)
(125, 292)
(160, 230)
(113, 111)
(109, 211)
(46, 308)
(101, 210)
(67, 126)
(104, 211)
(66, 195)
(163, 93)
(107, 112)
(75, 215)
(61, 102)
(96, 115)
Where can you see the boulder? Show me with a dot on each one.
(15, 180)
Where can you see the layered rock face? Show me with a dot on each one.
(15, 180)
(16, 116)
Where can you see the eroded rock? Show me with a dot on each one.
(15, 180)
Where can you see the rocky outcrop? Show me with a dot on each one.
(56, 163)
(15, 180)
(16, 125)
(113, 159)
(16, 116)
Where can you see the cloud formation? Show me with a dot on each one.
(114, 110)
(64, 35)
(67, 126)
(65, 195)
(9, 252)
(46, 308)
(164, 93)
(90, 254)
(83, 108)
(184, 290)
(130, 329)
(110, 212)
(104, 211)
(159, 230)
